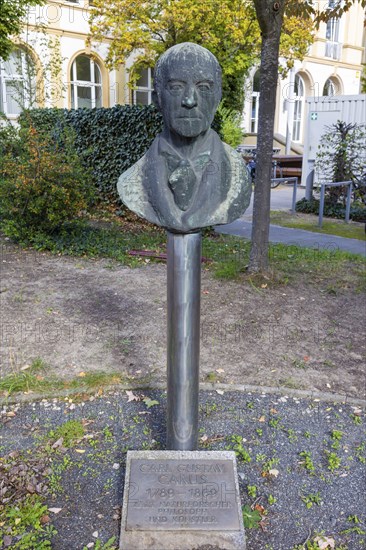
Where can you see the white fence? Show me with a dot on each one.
(320, 113)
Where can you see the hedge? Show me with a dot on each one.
(357, 213)
(108, 140)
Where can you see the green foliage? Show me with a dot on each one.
(252, 491)
(228, 29)
(363, 80)
(109, 545)
(334, 462)
(341, 157)
(11, 21)
(307, 461)
(232, 133)
(108, 141)
(24, 524)
(357, 212)
(43, 184)
(311, 498)
(70, 431)
(237, 446)
(252, 518)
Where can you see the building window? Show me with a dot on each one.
(17, 83)
(142, 94)
(255, 104)
(86, 83)
(332, 45)
(299, 97)
(330, 88)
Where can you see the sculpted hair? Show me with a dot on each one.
(177, 52)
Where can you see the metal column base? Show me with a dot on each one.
(184, 296)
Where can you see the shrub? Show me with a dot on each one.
(341, 157)
(108, 141)
(357, 212)
(41, 186)
(231, 132)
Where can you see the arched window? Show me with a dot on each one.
(255, 104)
(331, 87)
(299, 93)
(17, 82)
(142, 95)
(86, 83)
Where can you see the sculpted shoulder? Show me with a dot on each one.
(131, 190)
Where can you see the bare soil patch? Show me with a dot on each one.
(83, 315)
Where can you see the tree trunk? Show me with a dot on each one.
(270, 17)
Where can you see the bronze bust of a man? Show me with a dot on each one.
(189, 178)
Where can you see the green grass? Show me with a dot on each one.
(228, 255)
(35, 379)
(309, 222)
(24, 524)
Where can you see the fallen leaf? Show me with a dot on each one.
(260, 509)
(264, 285)
(131, 396)
(306, 357)
(150, 402)
(220, 392)
(45, 519)
(273, 411)
(273, 472)
(58, 443)
(324, 542)
(204, 438)
(10, 414)
(95, 534)
(81, 374)
(262, 419)
(80, 451)
(17, 521)
(25, 367)
(220, 370)
(55, 510)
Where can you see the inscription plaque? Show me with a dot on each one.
(182, 494)
(179, 500)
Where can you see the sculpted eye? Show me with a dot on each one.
(205, 87)
(175, 87)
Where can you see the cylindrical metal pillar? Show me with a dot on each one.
(184, 297)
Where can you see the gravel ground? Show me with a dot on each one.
(270, 431)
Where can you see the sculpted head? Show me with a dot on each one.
(187, 89)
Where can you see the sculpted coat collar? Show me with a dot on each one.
(211, 188)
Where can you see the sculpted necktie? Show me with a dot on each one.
(182, 179)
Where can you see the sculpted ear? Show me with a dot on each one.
(155, 99)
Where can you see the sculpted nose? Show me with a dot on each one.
(189, 99)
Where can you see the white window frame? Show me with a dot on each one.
(16, 77)
(147, 89)
(333, 47)
(255, 96)
(86, 83)
(299, 101)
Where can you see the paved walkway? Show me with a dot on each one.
(298, 237)
(281, 199)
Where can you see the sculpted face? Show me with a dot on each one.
(188, 89)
